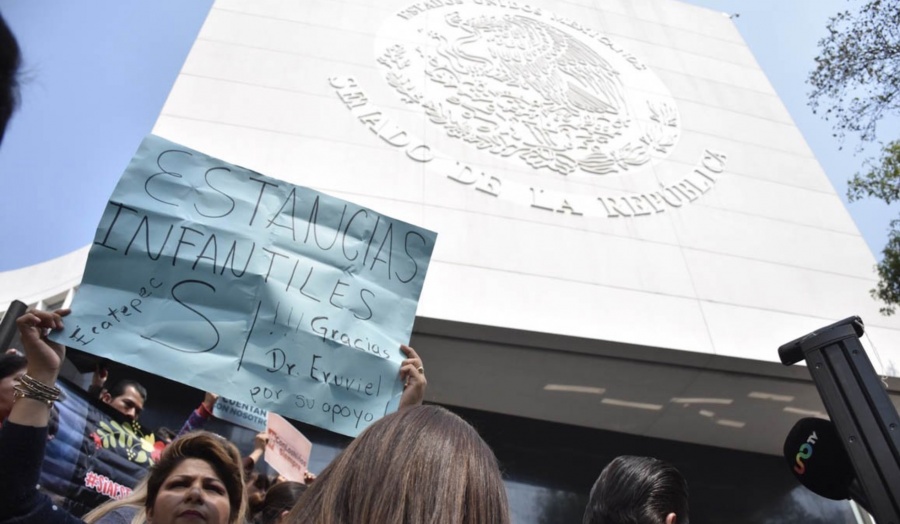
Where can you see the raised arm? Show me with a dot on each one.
(45, 359)
(23, 437)
(259, 449)
(200, 416)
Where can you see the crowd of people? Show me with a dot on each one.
(421, 464)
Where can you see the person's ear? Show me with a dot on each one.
(670, 518)
(106, 397)
(149, 512)
(283, 516)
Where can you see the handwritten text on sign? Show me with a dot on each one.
(251, 287)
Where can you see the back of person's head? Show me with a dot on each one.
(10, 59)
(279, 500)
(421, 464)
(11, 364)
(220, 454)
(638, 490)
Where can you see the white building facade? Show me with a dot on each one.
(629, 223)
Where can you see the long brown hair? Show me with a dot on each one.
(220, 454)
(420, 465)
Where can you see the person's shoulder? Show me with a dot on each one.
(46, 513)
(122, 515)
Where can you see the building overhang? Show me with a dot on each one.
(684, 396)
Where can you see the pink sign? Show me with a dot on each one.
(288, 450)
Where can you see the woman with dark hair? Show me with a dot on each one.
(12, 366)
(197, 461)
(198, 478)
(420, 464)
(638, 490)
(10, 59)
(278, 502)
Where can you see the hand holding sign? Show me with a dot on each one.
(209, 401)
(412, 373)
(273, 294)
(44, 357)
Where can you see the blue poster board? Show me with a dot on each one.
(250, 287)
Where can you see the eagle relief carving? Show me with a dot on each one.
(521, 87)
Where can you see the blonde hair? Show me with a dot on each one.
(420, 465)
(136, 499)
(220, 454)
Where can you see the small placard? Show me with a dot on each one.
(288, 450)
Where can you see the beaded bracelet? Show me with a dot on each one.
(28, 387)
(34, 384)
(23, 393)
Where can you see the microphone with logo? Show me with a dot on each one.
(817, 458)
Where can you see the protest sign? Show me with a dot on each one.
(287, 450)
(241, 414)
(250, 287)
(93, 457)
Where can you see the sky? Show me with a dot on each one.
(97, 73)
(783, 36)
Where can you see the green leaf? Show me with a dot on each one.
(888, 288)
(855, 74)
(882, 180)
